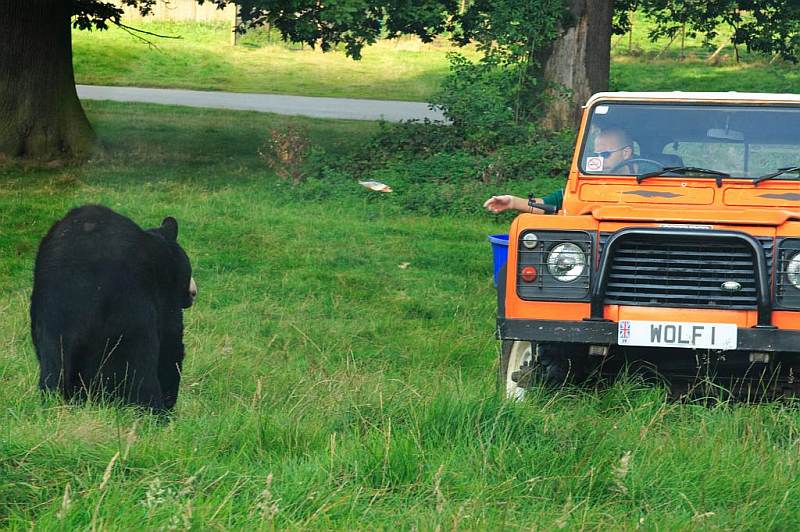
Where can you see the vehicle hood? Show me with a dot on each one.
(749, 216)
(692, 202)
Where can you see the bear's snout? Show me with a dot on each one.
(192, 289)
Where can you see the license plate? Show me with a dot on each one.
(687, 335)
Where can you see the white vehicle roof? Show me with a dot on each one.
(722, 97)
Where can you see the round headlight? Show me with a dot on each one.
(793, 270)
(530, 240)
(566, 262)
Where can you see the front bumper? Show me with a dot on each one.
(601, 332)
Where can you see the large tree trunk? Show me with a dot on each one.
(578, 61)
(41, 117)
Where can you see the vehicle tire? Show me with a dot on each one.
(523, 363)
(516, 356)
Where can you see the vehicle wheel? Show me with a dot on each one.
(516, 368)
(554, 365)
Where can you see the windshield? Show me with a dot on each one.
(744, 141)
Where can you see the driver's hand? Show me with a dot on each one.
(498, 203)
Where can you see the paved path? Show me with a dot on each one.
(353, 109)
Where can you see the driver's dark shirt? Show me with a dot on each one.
(554, 198)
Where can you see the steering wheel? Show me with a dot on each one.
(658, 165)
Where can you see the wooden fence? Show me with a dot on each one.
(183, 11)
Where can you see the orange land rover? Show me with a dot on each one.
(683, 258)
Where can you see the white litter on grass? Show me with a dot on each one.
(404, 265)
(377, 186)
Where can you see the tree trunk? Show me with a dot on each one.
(578, 61)
(41, 117)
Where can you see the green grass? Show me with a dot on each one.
(634, 75)
(641, 65)
(325, 386)
(403, 69)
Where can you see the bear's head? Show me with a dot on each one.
(180, 268)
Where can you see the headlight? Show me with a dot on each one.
(566, 262)
(793, 270)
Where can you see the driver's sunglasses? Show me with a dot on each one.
(605, 154)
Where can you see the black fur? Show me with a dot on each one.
(106, 308)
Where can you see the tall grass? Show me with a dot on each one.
(325, 386)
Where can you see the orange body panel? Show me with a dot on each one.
(741, 318)
(784, 319)
(788, 229)
(633, 193)
(774, 196)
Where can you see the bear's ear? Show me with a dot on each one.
(169, 228)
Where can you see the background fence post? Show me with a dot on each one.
(236, 21)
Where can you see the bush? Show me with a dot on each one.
(429, 151)
(491, 137)
(288, 153)
(432, 172)
(411, 139)
(544, 154)
(477, 98)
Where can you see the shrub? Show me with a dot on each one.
(477, 99)
(543, 154)
(491, 107)
(288, 153)
(412, 138)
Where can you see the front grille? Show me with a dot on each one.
(655, 270)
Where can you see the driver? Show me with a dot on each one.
(614, 145)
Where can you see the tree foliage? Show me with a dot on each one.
(510, 30)
(506, 29)
(762, 26)
(96, 14)
(351, 23)
(512, 36)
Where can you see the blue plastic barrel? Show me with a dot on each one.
(499, 253)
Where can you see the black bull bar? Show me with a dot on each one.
(762, 274)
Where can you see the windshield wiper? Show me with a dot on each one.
(682, 171)
(780, 171)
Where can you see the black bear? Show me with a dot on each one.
(107, 308)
